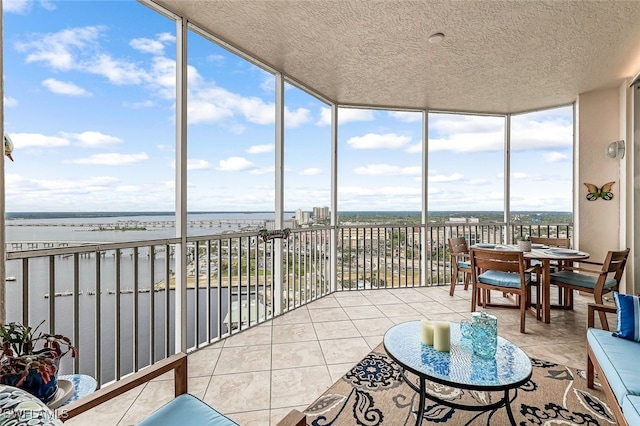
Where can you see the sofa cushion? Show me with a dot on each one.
(631, 409)
(628, 311)
(502, 279)
(582, 280)
(614, 355)
(186, 409)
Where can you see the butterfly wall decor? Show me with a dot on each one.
(595, 192)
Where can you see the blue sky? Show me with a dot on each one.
(89, 104)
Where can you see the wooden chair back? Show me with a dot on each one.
(552, 242)
(512, 261)
(497, 260)
(458, 246)
(615, 263)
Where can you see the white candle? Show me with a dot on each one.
(426, 336)
(441, 336)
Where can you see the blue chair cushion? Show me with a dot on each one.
(614, 355)
(186, 409)
(502, 279)
(631, 409)
(581, 280)
(628, 321)
(465, 265)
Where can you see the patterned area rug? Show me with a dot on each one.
(374, 393)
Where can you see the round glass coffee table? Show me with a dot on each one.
(460, 368)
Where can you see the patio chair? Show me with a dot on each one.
(596, 282)
(563, 294)
(184, 409)
(459, 251)
(504, 271)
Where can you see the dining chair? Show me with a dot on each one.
(591, 280)
(505, 271)
(459, 252)
(563, 294)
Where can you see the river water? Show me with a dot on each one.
(35, 230)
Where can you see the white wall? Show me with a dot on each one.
(601, 118)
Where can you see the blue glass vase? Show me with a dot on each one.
(485, 334)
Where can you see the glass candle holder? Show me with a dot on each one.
(485, 334)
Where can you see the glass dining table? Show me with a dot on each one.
(545, 255)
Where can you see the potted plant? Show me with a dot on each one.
(30, 359)
(524, 244)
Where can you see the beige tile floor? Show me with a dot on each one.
(257, 376)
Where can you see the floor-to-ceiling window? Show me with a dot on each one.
(541, 177)
(231, 116)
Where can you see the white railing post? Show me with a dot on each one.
(507, 179)
(3, 248)
(181, 189)
(334, 198)
(279, 195)
(425, 265)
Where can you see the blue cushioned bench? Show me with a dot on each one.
(184, 409)
(614, 359)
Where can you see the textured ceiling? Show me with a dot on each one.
(497, 56)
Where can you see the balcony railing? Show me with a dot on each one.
(116, 301)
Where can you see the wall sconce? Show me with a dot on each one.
(615, 150)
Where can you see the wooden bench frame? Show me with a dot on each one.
(177, 363)
(594, 367)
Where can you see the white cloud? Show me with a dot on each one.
(262, 170)
(128, 188)
(345, 115)
(146, 45)
(116, 71)
(138, 105)
(406, 116)
(59, 50)
(78, 49)
(415, 148)
(312, 171)
(218, 104)
(260, 149)
(469, 133)
(201, 111)
(16, 6)
(64, 88)
(355, 191)
(525, 176)
(154, 47)
(93, 139)
(10, 102)
(47, 5)
(87, 184)
(195, 164)
(387, 170)
(112, 159)
(268, 84)
(554, 157)
(297, 117)
(376, 141)
(477, 182)
(216, 59)
(31, 140)
(235, 164)
(454, 177)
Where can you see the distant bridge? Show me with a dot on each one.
(133, 224)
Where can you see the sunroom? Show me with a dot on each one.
(426, 61)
